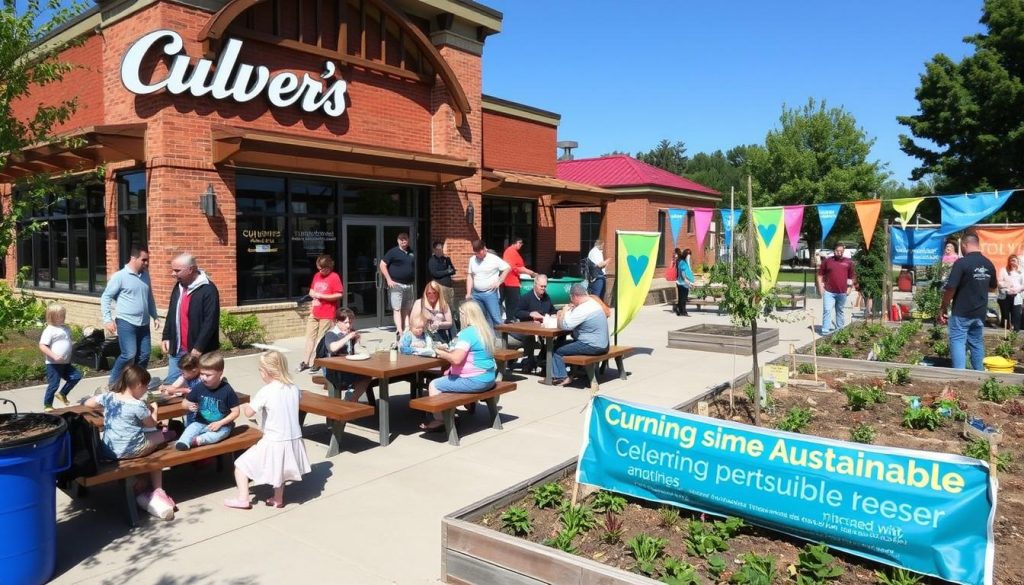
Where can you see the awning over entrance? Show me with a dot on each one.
(239, 147)
(563, 193)
(80, 150)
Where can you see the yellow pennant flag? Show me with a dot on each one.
(867, 213)
(768, 221)
(634, 259)
(905, 208)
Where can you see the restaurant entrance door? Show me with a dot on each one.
(365, 241)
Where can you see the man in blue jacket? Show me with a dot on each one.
(193, 314)
(132, 292)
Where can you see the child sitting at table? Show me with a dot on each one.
(416, 340)
(125, 418)
(340, 341)
(189, 378)
(214, 403)
(280, 454)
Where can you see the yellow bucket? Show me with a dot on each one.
(999, 365)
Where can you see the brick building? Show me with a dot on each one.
(258, 135)
(642, 196)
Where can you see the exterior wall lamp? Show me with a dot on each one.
(470, 213)
(208, 201)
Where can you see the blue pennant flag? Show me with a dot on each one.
(827, 213)
(962, 211)
(675, 220)
(730, 217)
(915, 246)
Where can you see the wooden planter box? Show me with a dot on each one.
(722, 339)
(475, 554)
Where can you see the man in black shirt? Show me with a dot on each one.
(533, 307)
(399, 270)
(440, 269)
(968, 285)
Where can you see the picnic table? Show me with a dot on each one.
(172, 408)
(538, 330)
(380, 367)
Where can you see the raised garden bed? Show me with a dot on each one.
(722, 338)
(477, 551)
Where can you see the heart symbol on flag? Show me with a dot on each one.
(637, 266)
(767, 233)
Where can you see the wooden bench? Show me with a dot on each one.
(793, 299)
(447, 402)
(590, 362)
(125, 471)
(336, 411)
(502, 356)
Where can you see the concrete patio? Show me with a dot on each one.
(370, 514)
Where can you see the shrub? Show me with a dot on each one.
(562, 541)
(862, 433)
(613, 529)
(1004, 349)
(748, 391)
(816, 566)
(18, 311)
(980, 449)
(702, 540)
(549, 495)
(807, 368)
(860, 397)
(756, 570)
(668, 516)
(516, 520)
(242, 330)
(646, 549)
(13, 369)
(921, 418)
(729, 527)
(679, 573)
(608, 502)
(941, 348)
(156, 352)
(578, 518)
(842, 337)
(846, 352)
(825, 348)
(897, 376)
(995, 391)
(796, 420)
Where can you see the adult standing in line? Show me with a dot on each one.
(441, 270)
(967, 287)
(399, 269)
(193, 314)
(326, 291)
(510, 286)
(586, 318)
(131, 289)
(597, 264)
(1011, 291)
(486, 273)
(533, 306)
(835, 277)
(685, 280)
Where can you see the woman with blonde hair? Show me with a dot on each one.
(435, 311)
(471, 357)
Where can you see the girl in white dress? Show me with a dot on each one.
(280, 455)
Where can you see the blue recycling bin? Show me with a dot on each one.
(558, 288)
(33, 449)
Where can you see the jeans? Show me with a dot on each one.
(510, 298)
(597, 287)
(683, 297)
(557, 364)
(200, 432)
(829, 302)
(54, 374)
(964, 333)
(173, 371)
(134, 343)
(489, 303)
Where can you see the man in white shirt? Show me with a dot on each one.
(597, 263)
(586, 319)
(486, 273)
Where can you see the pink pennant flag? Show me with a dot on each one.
(794, 218)
(702, 219)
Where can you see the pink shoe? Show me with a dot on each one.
(237, 503)
(160, 493)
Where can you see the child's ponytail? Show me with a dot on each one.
(275, 364)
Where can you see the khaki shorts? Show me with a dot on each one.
(401, 296)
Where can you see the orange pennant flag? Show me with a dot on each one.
(867, 213)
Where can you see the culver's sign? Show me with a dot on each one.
(230, 79)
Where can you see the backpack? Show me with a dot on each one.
(588, 270)
(672, 272)
(85, 439)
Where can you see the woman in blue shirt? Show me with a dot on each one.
(684, 280)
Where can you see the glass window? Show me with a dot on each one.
(131, 213)
(378, 199)
(310, 237)
(590, 231)
(312, 197)
(666, 233)
(258, 194)
(504, 219)
(262, 258)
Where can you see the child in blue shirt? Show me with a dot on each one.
(416, 340)
(214, 403)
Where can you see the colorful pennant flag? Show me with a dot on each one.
(729, 219)
(794, 217)
(867, 213)
(768, 221)
(962, 211)
(635, 259)
(675, 220)
(827, 213)
(702, 219)
(905, 208)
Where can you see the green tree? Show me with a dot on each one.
(969, 132)
(817, 155)
(719, 171)
(666, 155)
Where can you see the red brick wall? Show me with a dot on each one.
(85, 81)
(515, 144)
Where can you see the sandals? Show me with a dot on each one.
(432, 427)
(237, 504)
(273, 503)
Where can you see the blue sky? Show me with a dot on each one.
(624, 75)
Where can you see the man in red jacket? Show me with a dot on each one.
(510, 287)
(835, 277)
(193, 314)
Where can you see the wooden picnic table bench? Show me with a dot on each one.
(590, 362)
(126, 470)
(447, 402)
(336, 411)
(502, 356)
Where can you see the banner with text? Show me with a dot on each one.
(827, 214)
(915, 246)
(997, 243)
(928, 512)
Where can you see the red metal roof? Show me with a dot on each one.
(619, 170)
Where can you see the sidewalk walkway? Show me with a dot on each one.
(372, 515)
